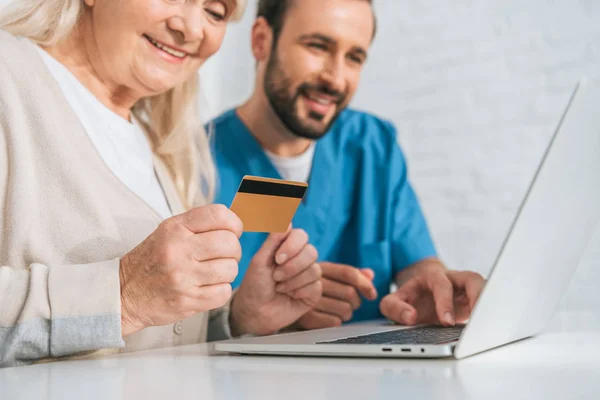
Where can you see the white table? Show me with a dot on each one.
(563, 363)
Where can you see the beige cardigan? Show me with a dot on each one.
(65, 221)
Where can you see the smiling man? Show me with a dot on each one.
(360, 211)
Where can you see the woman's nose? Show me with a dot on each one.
(189, 22)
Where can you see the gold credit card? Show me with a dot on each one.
(267, 205)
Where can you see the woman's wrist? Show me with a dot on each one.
(128, 326)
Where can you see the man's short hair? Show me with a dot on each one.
(274, 12)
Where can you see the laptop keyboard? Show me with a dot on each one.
(430, 334)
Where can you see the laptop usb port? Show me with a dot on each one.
(406, 350)
(386, 349)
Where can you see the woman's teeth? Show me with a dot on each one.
(166, 49)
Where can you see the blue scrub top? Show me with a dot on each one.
(360, 208)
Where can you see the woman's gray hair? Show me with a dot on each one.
(170, 119)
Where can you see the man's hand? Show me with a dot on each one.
(428, 293)
(282, 283)
(342, 287)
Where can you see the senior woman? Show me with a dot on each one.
(106, 243)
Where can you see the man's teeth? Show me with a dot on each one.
(320, 100)
(166, 49)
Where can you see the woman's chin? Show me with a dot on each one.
(156, 81)
(155, 87)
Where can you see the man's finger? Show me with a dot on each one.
(309, 294)
(471, 282)
(266, 254)
(368, 273)
(306, 277)
(305, 259)
(398, 310)
(338, 308)
(293, 244)
(443, 294)
(411, 290)
(474, 287)
(350, 276)
(340, 291)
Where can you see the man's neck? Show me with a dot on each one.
(269, 131)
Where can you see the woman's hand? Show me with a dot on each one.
(183, 268)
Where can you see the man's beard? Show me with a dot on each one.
(277, 89)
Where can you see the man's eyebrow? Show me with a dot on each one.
(318, 36)
(360, 51)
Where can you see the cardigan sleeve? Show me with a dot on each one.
(50, 312)
(63, 310)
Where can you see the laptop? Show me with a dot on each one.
(548, 237)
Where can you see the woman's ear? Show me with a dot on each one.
(89, 3)
(262, 40)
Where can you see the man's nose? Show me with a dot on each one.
(334, 74)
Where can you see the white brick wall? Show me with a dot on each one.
(476, 89)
